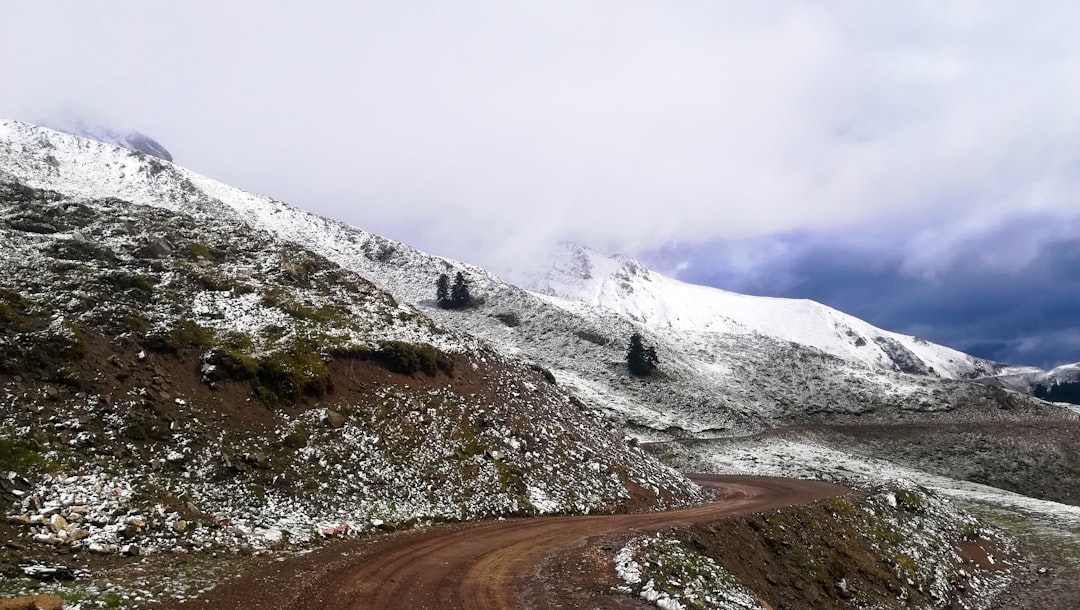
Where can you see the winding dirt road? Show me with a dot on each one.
(480, 565)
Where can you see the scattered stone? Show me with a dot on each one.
(180, 526)
(255, 457)
(335, 419)
(157, 247)
(130, 550)
(57, 523)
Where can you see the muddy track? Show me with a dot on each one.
(481, 565)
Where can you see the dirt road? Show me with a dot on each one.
(480, 565)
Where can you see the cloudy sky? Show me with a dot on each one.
(916, 164)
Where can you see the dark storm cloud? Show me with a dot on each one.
(1023, 312)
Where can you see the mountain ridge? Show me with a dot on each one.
(727, 383)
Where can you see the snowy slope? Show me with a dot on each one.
(131, 140)
(1061, 383)
(730, 362)
(626, 287)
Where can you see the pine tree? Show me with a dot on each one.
(641, 360)
(442, 291)
(459, 293)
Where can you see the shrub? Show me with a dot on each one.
(510, 319)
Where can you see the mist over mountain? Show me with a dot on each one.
(131, 140)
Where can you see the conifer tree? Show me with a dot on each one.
(459, 293)
(442, 291)
(641, 360)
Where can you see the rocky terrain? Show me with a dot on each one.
(193, 374)
(174, 386)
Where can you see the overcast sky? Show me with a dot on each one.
(780, 147)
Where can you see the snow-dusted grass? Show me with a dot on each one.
(792, 457)
(670, 576)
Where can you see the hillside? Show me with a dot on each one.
(178, 385)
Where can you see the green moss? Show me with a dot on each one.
(139, 286)
(20, 456)
(324, 314)
(233, 359)
(842, 506)
(412, 358)
(298, 438)
(291, 373)
(201, 250)
(13, 312)
(133, 321)
(77, 250)
(907, 564)
(909, 500)
(218, 283)
(186, 334)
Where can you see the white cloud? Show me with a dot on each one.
(479, 129)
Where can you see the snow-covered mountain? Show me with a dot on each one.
(729, 363)
(1060, 384)
(623, 285)
(131, 140)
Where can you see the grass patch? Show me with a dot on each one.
(186, 334)
(20, 456)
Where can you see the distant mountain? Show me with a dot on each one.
(626, 287)
(1060, 384)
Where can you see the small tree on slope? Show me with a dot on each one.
(452, 297)
(641, 360)
(442, 291)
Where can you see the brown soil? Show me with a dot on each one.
(483, 565)
(33, 602)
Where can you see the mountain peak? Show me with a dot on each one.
(578, 272)
(131, 140)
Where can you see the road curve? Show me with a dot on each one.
(487, 565)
